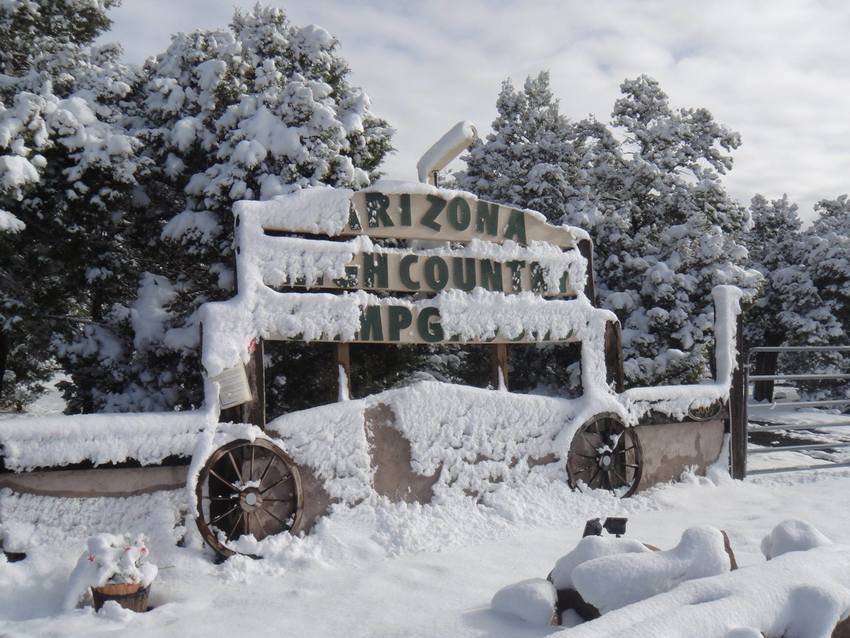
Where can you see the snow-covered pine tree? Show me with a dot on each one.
(665, 230)
(774, 242)
(260, 110)
(67, 172)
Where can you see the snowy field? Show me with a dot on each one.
(382, 569)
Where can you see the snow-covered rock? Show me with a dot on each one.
(533, 600)
(792, 536)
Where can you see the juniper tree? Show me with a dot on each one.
(67, 173)
(256, 111)
(665, 230)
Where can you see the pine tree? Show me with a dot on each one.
(665, 230)
(250, 113)
(67, 173)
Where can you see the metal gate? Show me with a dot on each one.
(783, 429)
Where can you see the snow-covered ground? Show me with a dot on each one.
(382, 569)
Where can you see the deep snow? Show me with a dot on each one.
(381, 569)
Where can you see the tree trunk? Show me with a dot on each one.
(4, 357)
(765, 363)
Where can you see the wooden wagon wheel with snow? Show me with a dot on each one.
(605, 454)
(247, 487)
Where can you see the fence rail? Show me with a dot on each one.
(743, 437)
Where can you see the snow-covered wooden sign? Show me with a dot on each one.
(434, 241)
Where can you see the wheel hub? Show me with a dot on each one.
(250, 499)
(606, 461)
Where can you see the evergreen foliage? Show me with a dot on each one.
(250, 113)
(67, 174)
(665, 231)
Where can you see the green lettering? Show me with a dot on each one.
(404, 204)
(377, 205)
(458, 213)
(491, 275)
(516, 274)
(430, 331)
(399, 318)
(538, 280)
(375, 266)
(487, 218)
(350, 279)
(370, 324)
(404, 272)
(353, 218)
(429, 219)
(464, 273)
(436, 273)
(515, 226)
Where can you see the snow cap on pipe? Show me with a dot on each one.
(444, 150)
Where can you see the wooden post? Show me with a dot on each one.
(499, 358)
(343, 360)
(255, 410)
(614, 356)
(738, 409)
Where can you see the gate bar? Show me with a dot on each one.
(796, 448)
(799, 426)
(800, 377)
(799, 404)
(800, 349)
(798, 468)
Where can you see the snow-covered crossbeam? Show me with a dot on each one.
(54, 441)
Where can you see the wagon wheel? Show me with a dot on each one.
(247, 487)
(605, 454)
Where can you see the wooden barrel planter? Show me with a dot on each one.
(130, 596)
(247, 487)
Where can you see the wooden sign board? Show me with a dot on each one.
(402, 324)
(462, 217)
(409, 271)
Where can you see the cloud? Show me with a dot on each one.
(773, 70)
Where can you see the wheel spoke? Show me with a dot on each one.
(275, 484)
(279, 500)
(251, 468)
(235, 467)
(219, 498)
(634, 466)
(585, 456)
(622, 478)
(265, 471)
(228, 512)
(274, 516)
(595, 474)
(225, 481)
(260, 524)
(235, 526)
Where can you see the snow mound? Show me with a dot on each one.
(765, 599)
(533, 600)
(611, 582)
(50, 441)
(590, 548)
(792, 536)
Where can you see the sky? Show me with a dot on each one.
(775, 71)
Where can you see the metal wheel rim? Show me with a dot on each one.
(247, 487)
(619, 467)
